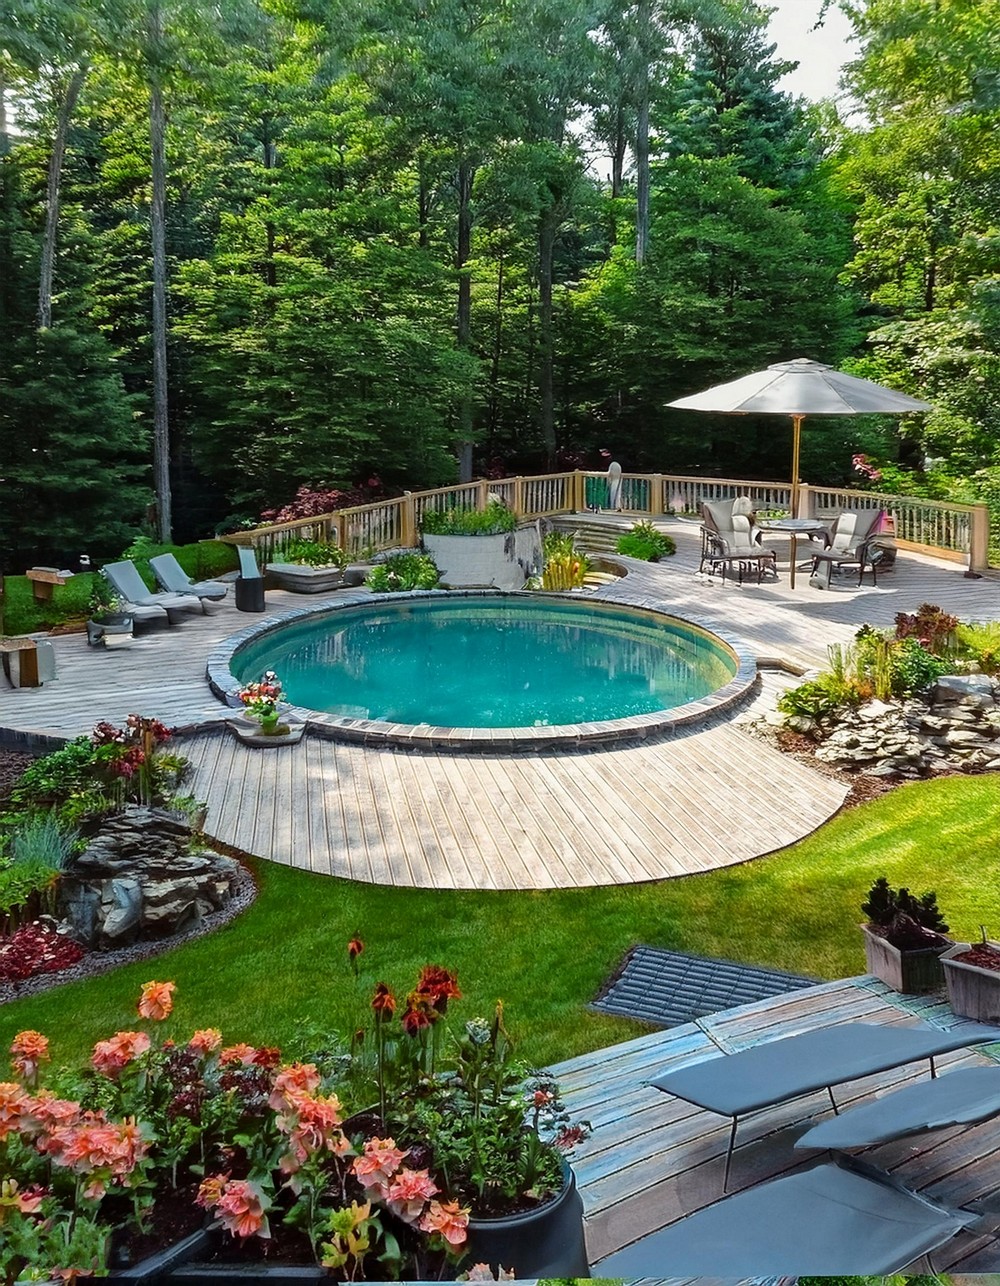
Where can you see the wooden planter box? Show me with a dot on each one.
(973, 992)
(913, 972)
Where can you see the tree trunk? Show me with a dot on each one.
(546, 248)
(157, 223)
(642, 136)
(463, 330)
(47, 270)
(4, 127)
(497, 352)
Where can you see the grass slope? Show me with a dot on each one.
(546, 954)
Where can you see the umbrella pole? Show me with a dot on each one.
(796, 433)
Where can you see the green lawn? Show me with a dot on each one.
(546, 954)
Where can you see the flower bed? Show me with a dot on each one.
(158, 1133)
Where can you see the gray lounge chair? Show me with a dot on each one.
(964, 1097)
(130, 587)
(766, 1075)
(838, 1218)
(172, 576)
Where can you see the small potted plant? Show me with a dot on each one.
(108, 622)
(904, 938)
(308, 567)
(972, 975)
(261, 703)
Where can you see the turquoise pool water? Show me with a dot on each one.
(491, 662)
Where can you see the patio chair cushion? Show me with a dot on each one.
(851, 529)
(961, 1098)
(249, 568)
(831, 1219)
(172, 576)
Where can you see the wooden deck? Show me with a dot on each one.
(529, 820)
(652, 1158)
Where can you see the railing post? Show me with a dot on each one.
(979, 540)
(807, 501)
(518, 505)
(407, 521)
(656, 495)
(577, 491)
(482, 493)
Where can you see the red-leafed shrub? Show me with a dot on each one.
(309, 501)
(35, 948)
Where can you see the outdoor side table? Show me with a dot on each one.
(766, 1075)
(793, 528)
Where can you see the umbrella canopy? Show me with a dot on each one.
(800, 388)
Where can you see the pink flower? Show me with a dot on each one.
(311, 1123)
(205, 1042)
(211, 1190)
(110, 1056)
(448, 1219)
(29, 1049)
(241, 1209)
(376, 1167)
(157, 1000)
(409, 1192)
(240, 1053)
(296, 1078)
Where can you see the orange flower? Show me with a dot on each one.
(419, 1014)
(355, 947)
(211, 1191)
(296, 1078)
(205, 1042)
(241, 1209)
(28, 1202)
(383, 1003)
(157, 1000)
(439, 985)
(29, 1049)
(312, 1124)
(13, 1103)
(409, 1192)
(240, 1053)
(110, 1056)
(378, 1164)
(448, 1219)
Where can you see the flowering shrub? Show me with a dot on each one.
(860, 463)
(261, 699)
(310, 502)
(263, 1143)
(111, 767)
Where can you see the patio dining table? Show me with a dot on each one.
(793, 528)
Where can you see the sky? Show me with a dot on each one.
(820, 53)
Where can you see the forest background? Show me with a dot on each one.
(253, 246)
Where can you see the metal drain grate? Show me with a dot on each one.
(667, 988)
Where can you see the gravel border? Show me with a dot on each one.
(95, 963)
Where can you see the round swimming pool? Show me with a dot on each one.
(489, 667)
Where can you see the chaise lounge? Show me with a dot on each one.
(129, 586)
(175, 580)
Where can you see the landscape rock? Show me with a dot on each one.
(139, 878)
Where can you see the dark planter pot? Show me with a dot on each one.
(973, 992)
(546, 1242)
(913, 972)
(160, 1267)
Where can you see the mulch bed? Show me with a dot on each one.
(12, 764)
(860, 789)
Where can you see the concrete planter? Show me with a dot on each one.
(302, 579)
(913, 972)
(503, 561)
(973, 992)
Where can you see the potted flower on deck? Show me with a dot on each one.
(904, 938)
(235, 1158)
(308, 567)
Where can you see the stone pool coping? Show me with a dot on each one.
(563, 736)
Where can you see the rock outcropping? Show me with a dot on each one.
(956, 727)
(139, 878)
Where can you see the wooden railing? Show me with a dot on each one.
(958, 532)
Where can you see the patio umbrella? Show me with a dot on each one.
(800, 388)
